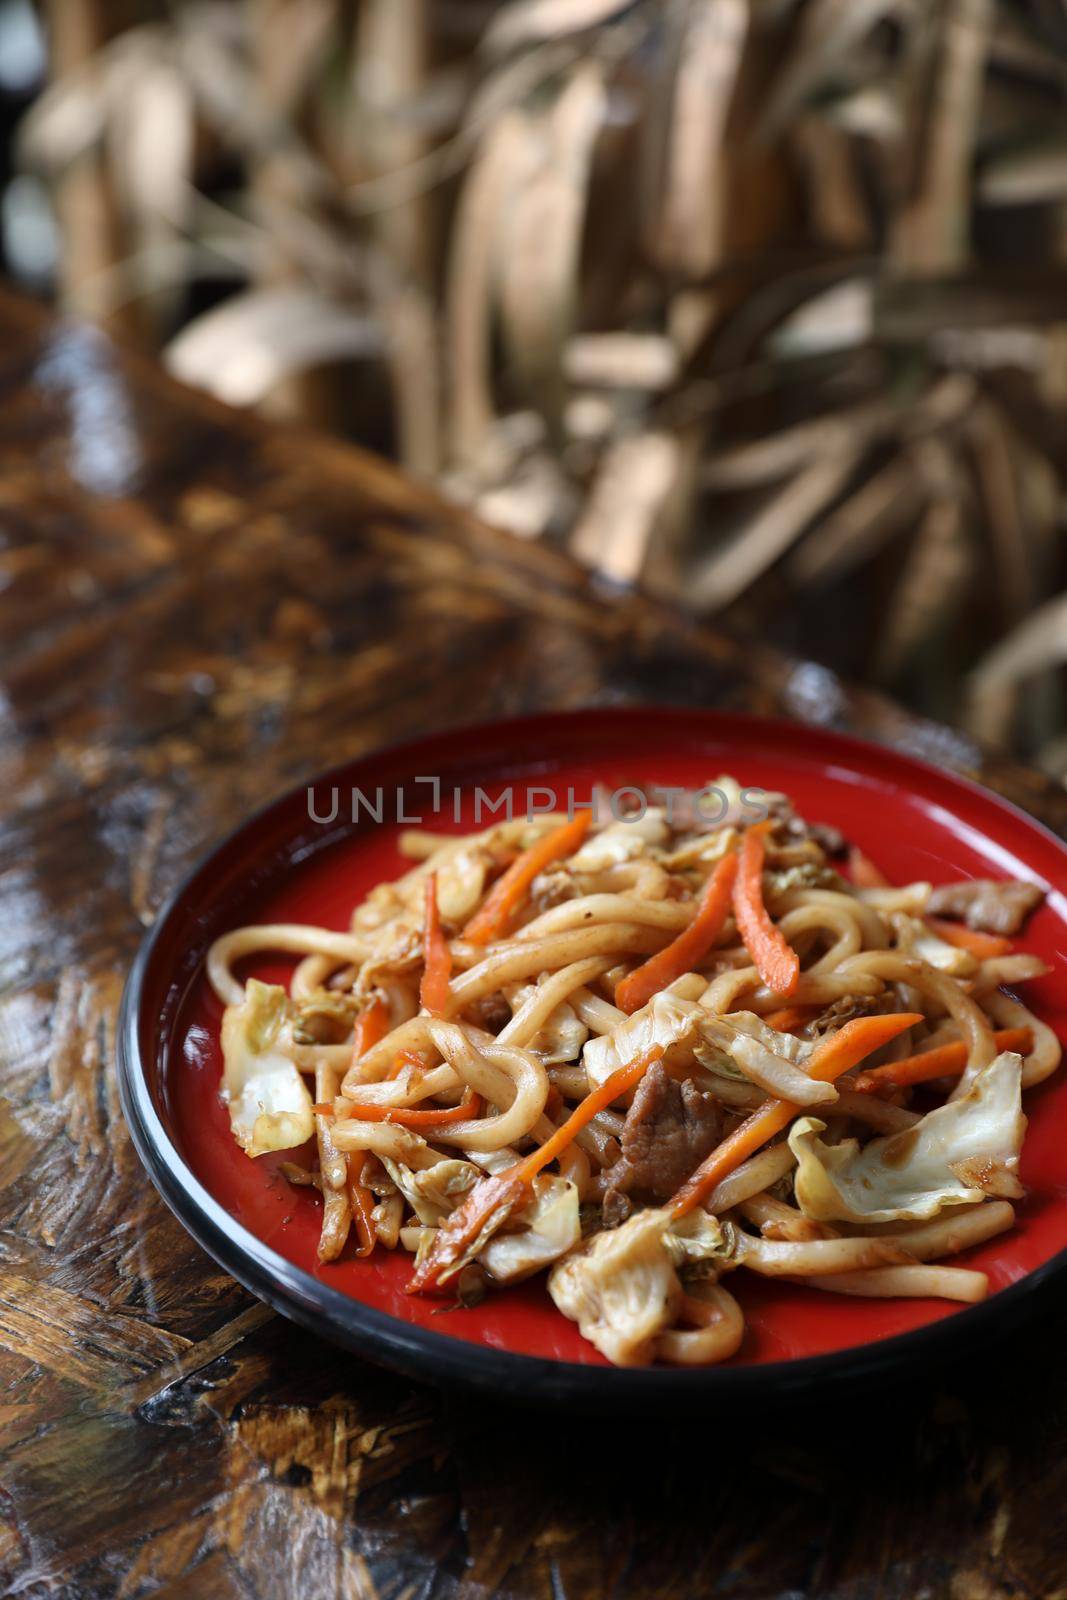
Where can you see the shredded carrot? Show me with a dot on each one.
(437, 957)
(691, 945)
(505, 1191)
(837, 1053)
(625, 1078)
(489, 1204)
(492, 917)
(414, 1116)
(407, 1058)
(776, 961)
(790, 1017)
(946, 1061)
(371, 1026)
(362, 1202)
(983, 946)
(864, 873)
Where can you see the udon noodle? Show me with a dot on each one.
(645, 1056)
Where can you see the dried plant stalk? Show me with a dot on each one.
(771, 531)
(932, 232)
(618, 527)
(84, 196)
(538, 238)
(277, 28)
(391, 62)
(470, 285)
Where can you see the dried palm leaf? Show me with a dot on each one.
(526, 22)
(628, 498)
(717, 581)
(533, 498)
(410, 329)
(1037, 644)
(688, 237)
(87, 210)
(244, 95)
(874, 112)
(910, 312)
(312, 247)
(73, 113)
(826, 49)
(621, 361)
(996, 464)
(249, 344)
(841, 212)
(1022, 52)
(169, 265)
(469, 308)
(881, 509)
(932, 230)
(886, 504)
(538, 237)
(507, 88)
(1031, 175)
(757, 462)
(932, 588)
(391, 63)
(151, 150)
(299, 34)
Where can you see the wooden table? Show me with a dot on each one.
(195, 611)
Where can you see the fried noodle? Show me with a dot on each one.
(541, 1120)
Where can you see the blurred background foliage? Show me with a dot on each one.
(761, 303)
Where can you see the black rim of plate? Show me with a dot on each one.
(440, 1358)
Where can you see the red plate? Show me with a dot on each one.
(915, 821)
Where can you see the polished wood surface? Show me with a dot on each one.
(195, 611)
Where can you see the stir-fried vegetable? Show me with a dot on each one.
(622, 1290)
(405, 1059)
(946, 1061)
(618, 1084)
(790, 1017)
(863, 872)
(496, 1197)
(470, 1226)
(953, 1156)
(437, 957)
(373, 1025)
(409, 1116)
(544, 1230)
(268, 1101)
(509, 889)
(775, 959)
(689, 948)
(837, 1053)
(983, 946)
(362, 1202)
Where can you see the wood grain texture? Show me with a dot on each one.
(195, 612)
